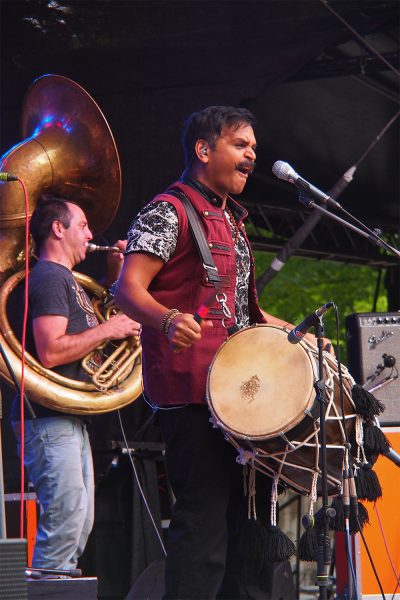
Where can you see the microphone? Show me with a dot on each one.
(36, 573)
(353, 494)
(284, 171)
(346, 495)
(297, 334)
(8, 177)
(94, 248)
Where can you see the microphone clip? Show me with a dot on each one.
(306, 200)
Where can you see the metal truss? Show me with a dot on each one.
(271, 227)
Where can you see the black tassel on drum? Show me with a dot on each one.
(367, 483)
(252, 542)
(358, 516)
(369, 442)
(279, 546)
(307, 546)
(375, 441)
(260, 544)
(366, 404)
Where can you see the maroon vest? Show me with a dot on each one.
(174, 379)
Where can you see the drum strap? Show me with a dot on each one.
(205, 256)
(199, 237)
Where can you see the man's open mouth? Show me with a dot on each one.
(246, 167)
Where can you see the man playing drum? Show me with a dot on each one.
(162, 285)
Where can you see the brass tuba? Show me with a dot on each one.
(68, 151)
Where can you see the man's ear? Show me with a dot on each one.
(201, 150)
(58, 229)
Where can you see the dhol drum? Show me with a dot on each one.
(261, 393)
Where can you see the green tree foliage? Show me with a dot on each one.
(305, 284)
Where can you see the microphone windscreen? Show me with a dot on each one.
(282, 170)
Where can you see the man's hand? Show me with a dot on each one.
(185, 331)
(115, 260)
(120, 326)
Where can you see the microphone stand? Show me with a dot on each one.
(324, 549)
(370, 235)
(324, 555)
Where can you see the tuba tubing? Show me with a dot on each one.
(51, 389)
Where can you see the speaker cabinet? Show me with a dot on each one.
(12, 569)
(373, 344)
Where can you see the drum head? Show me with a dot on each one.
(259, 384)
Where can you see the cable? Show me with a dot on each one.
(378, 137)
(139, 485)
(347, 475)
(350, 561)
(360, 38)
(23, 345)
(377, 288)
(370, 560)
(340, 375)
(387, 547)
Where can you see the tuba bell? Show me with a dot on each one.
(69, 151)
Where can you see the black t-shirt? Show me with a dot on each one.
(54, 291)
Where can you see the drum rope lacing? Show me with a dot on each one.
(360, 442)
(313, 496)
(274, 498)
(284, 460)
(280, 457)
(251, 506)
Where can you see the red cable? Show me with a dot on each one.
(387, 547)
(23, 343)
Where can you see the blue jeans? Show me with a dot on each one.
(58, 462)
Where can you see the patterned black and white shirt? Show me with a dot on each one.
(156, 229)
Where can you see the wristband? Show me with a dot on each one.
(168, 318)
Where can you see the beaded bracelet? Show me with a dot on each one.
(172, 317)
(168, 318)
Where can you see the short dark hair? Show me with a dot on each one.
(207, 124)
(46, 212)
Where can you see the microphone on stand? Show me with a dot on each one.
(353, 494)
(284, 171)
(95, 248)
(346, 495)
(297, 334)
(300, 235)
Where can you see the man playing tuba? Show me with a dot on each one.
(63, 328)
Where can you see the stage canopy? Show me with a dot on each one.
(321, 77)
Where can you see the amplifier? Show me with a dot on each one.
(13, 584)
(373, 346)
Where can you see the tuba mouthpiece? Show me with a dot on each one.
(95, 248)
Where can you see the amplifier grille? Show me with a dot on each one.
(373, 344)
